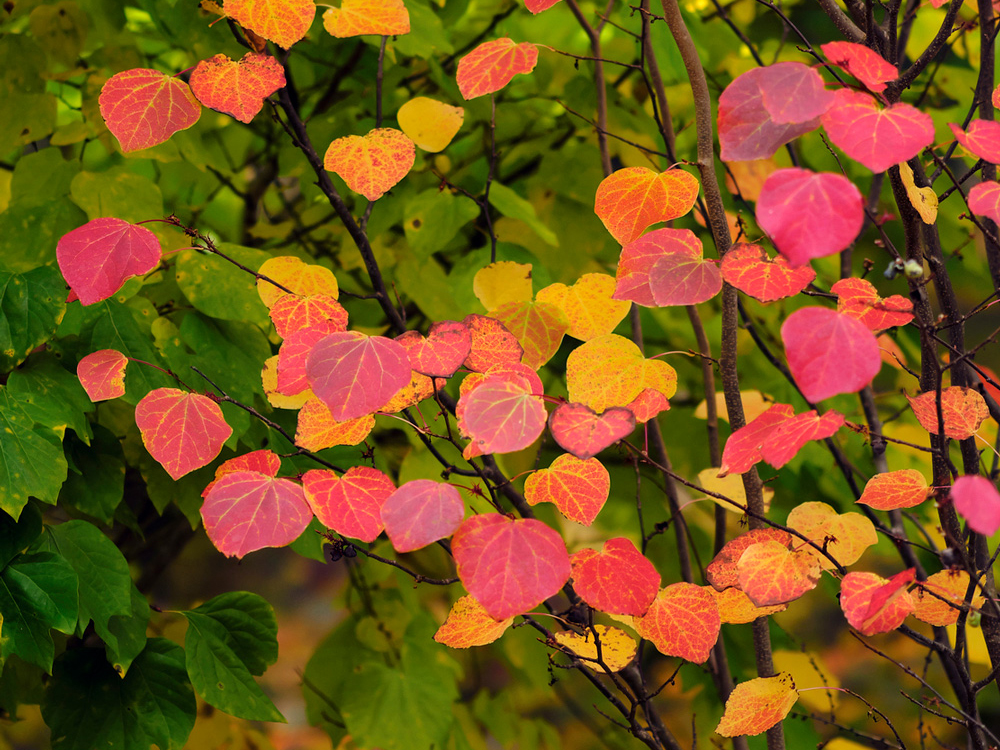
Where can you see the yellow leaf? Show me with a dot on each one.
(757, 705)
(429, 123)
(304, 279)
(587, 305)
(617, 647)
(923, 199)
(502, 282)
(610, 371)
(468, 624)
(269, 379)
(808, 671)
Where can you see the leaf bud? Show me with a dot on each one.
(914, 269)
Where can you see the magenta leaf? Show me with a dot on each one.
(584, 433)
(793, 93)
(421, 512)
(984, 200)
(681, 279)
(978, 502)
(633, 281)
(501, 416)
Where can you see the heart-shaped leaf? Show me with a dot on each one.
(950, 585)
(492, 343)
(859, 299)
(618, 580)
(371, 164)
(722, 572)
(303, 279)
(982, 138)
(97, 258)
(237, 88)
(683, 621)
(501, 416)
(769, 573)
(430, 124)
(263, 462)
(793, 93)
(469, 624)
(749, 269)
(143, 107)
(421, 512)
(578, 488)
(362, 17)
(102, 374)
(351, 504)
(492, 65)
(845, 536)
(632, 199)
(682, 279)
(757, 705)
(317, 430)
(538, 326)
(446, 347)
(984, 199)
(291, 313)
(587, 305)
(863, 63)
(611, 371)
(182, 431)
(584, 433)
(283, 22)
(636, 262)
(962, 409)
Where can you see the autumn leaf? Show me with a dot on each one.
(743, 447)
(469, 624)
(632, 199)
(492, 343)
(144, 107)
(635, 265)
(237, 88)
(845, 536)
(265, 462)
(102, 374)
(301, 278)
(350, 504)
(782, 445)
(757, 705)
(317, 430)
(976, 499)
(291, 313)
(982, 139)
(283, 22)
(97, 258)
(587, 305)
(770, 573)
(371, 164)
(610, 371)
(578, 488)
(857, 591)
(617, 648)
(430, 124)
(360, 17)
(618, 580)
(292, 359)
(647, 405)
(793, 93)
(941, 598)
(750, 269)
(269, 381)
(984, 199)
(578, 429)
(923, 199)
(893, 490)
(858, 298)
(502, 282)
(182, 431)
(492, 65)
(501, 416)
(442, 352)
(682, 621)
(421, 512)
(861, 62)
(508, 565)
(682, 279)
(537, 6)
(962, 410)
(736, 608)
(419, 388)
(539, 328)
(722, 571)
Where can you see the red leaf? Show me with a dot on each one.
(371, 164)
(793, 93)
(292, 358)
(770, 573)
(681, 279)
(537, 6)
(144, 107)
(291, 313)
(722, 571)
(356, 374)
(97, 258)
(283, 22)
(246, 511)
(888, 592)
(982, 139)
(962, 409)
(446, 347)
(894, 490)
(492, 65)
(829, 353)
(237, 88)
(632, 199)
(781, 445)
(263, 462)
(978, 502)
(618, 580)
(647, 405)
(861, 62)
(638, 258)
(578, 488)
(877, 137)
(749, 269)
(182, 431)
(492, 343)
(808, 214)
(856, 592)
(682, 621)
(352, 504)
(746, 131)
(508, 565)
(421, 512)
(743, 447)
(582, 432)
(501, 416)
(984, 199)
(859, 299)
(102, 374)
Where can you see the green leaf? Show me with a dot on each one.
(433, 218)
(126, 634)
(52, 396)
(27, 118)
(510, 204)
(42, 176)
(37, 593)
(96, 481)
(105, 583)
(427, 34)
(185, 492)
(218, 288)
(31, 460)
(15, 536)
(117, 192)
(87, 705)
(29, 233)
(20, 685)
(31, 306)
(229, 639)
(425, 282)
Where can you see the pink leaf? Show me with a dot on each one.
(143, 107)
(829, 353)
(263, 461)
(443, 351)
(356, 374)
(247, 510)
(182, 431)
(102, 374)
(292, 358)
(492, 65)
(977, 500)
(97, 258)
(864, 64)
(638, 258)
(808, 214)
(982, 139)
(743, 447)
(680, 279)
(984, 200)
(421, 512)
(582, 432)
(352, 504)
(502, 417)
(793, 93)
(784, 443)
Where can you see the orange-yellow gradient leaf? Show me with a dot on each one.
(492, 65)
(304, 279)
(102, 374)
(617, 650)
(502, 282)
(647, 405)
(857, 592)
(859, 299)
(492, 344)
(950, 587)
(430, 124)
(770, 573)
(757, 705)
(587, 305)
(895, 489)
(610, 371)
(632, 199)
(747, 178)
(577, 488)
(682, 621)
(371, 164)
(722, 572)
(419, 388)
(963, 410)
(350, 504)
(143, 107)
(291, 313)
(844, 535)
(182, 431)
(468, 624)
(538, 326)
(360, 17)
(263, 461)
(618, 580)
(283, 22)
(237, 88)
(317, 429)
(736, 608)
(269, 380)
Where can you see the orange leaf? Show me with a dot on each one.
(757, 705)
(360, 17)
(578, 429)
(283, 22)
(951, 585)
(304, 279)
(182, 431)
(682, 621)
(492, 344)
(419, 388)
(770, 573)
(102, 374)
(610, 371)
(492, 65)
(262, 461)
(618, 580)
(144, 107)
(237, 88)
(291, 313)
(443, 351)
(371, 164)
(633, 199)
(747, 178)
(895, 489)
(752, 271)
(430, 124)
(578, 488)
(647, 405)
(735, 606)
(469, 624)
(317, 429)
(538, 326)
(722, 573)
(587, 305)
(857, 591)
(351, 504)
(617, 651)
(845, 536)
(859, 299)
(963, 410)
